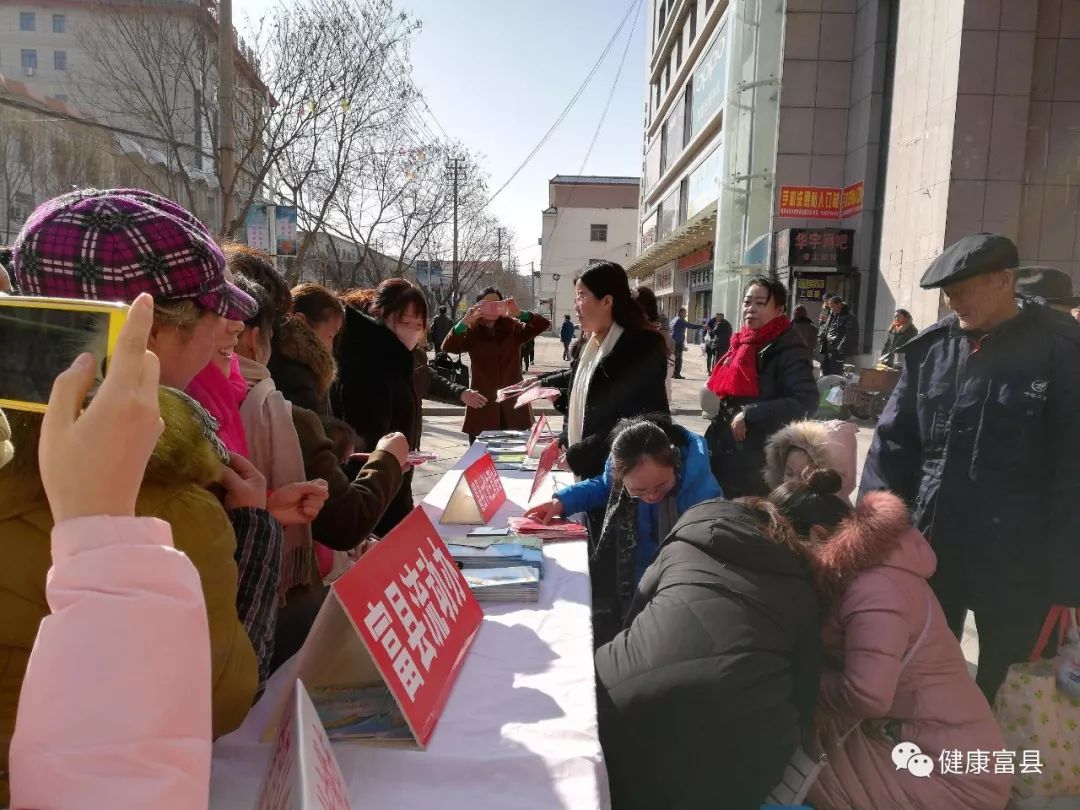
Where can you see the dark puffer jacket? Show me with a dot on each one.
(629, 381)
(376, 393)
(786, 392)
(703, 696)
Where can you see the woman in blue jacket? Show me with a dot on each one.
(656, 471)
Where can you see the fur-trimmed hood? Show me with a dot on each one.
(182, 456)
(296, 341)
(878, 533)
(830, 445)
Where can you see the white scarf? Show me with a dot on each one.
(591, 355)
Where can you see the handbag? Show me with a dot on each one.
(453, 370)
(803, 770)
(1035, 715)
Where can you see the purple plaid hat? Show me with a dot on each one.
(113, 245)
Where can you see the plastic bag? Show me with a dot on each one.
(835, 396)
(1067, 663)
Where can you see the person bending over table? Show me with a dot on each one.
(656, 471)
(704, 695)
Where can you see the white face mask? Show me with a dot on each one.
(409, 335)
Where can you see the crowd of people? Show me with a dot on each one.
(248, 436)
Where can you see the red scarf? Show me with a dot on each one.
(736, 373)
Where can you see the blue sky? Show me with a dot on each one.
(497, 73)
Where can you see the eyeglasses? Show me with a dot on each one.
(653, 492)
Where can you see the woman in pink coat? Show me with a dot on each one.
(871, 567)
(99, 726)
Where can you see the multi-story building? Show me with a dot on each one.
(686, 66)
(99, 59)
(857, 139)
(588, 219)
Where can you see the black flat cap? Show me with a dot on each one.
(971, 256)
(1052, 285)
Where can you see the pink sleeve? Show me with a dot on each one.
(115, 706)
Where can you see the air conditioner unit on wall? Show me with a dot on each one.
(28, 71)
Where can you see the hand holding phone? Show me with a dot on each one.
(42, 337)
(92, 462)
(491, 310)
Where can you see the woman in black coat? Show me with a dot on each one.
(619, 374)
(376, 392)
(703, 697)
(765, 381)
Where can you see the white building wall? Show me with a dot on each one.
(566, 251)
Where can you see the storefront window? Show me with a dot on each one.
(710, 80)
(673, 132)
(747, 189)
(648, 230)
(669, 214)
(652, 163)
(704, 185)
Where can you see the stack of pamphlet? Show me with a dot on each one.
(361, 713)
(557, 529)
(507, 448)
(498, 565)
(516, 584)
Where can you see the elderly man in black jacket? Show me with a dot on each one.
(981, 438)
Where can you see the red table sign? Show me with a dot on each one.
(302, 772)
(478, 494)
(404, 616)
(547, 462)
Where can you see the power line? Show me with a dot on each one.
(603, 117)
(570, 105)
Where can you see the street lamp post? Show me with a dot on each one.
(554, 298)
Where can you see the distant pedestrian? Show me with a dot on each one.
(901, 331)
(1047, 285)
(528, 353)
(646, 299)
(566, 335)
(678, 335)
(720, 338)
(492, 334)
(980, 439)
(841, 336)
(440, 328)
(804, 327)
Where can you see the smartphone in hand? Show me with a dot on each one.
(41, 337)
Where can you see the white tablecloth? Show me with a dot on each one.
(519, 730)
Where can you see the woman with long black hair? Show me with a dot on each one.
(619, 374)
(376, 392)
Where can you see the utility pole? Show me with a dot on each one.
(498, 255)
(227, 138)
(456, 168)
(532, 277)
